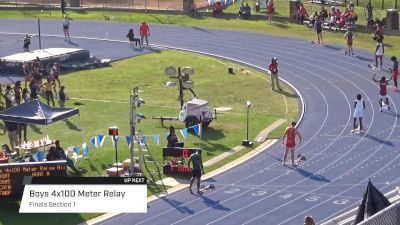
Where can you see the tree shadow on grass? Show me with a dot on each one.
(72, 126)
(35, 129)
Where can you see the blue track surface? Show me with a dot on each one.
(262, 191)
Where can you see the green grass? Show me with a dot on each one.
(114, 83)
(281, 26)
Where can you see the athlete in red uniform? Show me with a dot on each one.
(289, 140)
(382, 91)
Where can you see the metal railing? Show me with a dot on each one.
(349, 217)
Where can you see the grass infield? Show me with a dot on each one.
(111, 86)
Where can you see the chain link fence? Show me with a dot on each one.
(122, 4)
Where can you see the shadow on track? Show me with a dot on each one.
(177, 205)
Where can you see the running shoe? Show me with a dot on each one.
(352, 131)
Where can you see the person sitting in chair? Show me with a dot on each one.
(173, 139)
(57, 153)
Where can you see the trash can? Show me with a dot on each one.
(75, 3)
(392, 19)
(292, 8)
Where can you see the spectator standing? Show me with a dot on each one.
(359, 107)
(55, 73)
(241, 10)
(33, 89)
(144, 33)
(62, 99)
(318, 30)
(58, 153)
(27, 42)
(17, 92)
(289, 141)
(270, 10)
(27, 74)
(303, 13)
(9, 97)
(25, 95)
(379, 51)
(66, 25)
(63, 5)
(49, 86)
(349, 36)
(197, 170)
(395, 71)
(273, 68)
(12, 132)
(370, 17)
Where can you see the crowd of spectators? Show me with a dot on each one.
(333, 18)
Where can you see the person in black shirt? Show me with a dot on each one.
(173, 139)
(27, 42)
(197, 170)
(12, 131)
(57, 153)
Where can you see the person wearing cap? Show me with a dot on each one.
(273, 68)
(144, 33)
(27, 42)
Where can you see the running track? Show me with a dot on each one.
(261, 191)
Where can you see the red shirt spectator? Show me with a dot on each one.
(144, 29)
(270, 8)
(273, 67)
(303, 11)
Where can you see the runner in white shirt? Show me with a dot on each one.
(66, 28)
(379, 51)
(359, 105)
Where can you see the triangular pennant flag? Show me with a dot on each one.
(85, 149)
(197, 129)
(128, 140)
(93, 141)
(113, 141)
(142, 140)
(156, 138)
(76, 150)
(184, 132)
(100, 139)
(38, 156)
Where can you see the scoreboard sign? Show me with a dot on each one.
(12, 175)
(177, 155)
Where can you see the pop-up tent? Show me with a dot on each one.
(35, 112)
(372, 202)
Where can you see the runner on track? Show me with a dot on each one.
(359, 106)
(197, 170)
(289, 141)
(382, 91)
